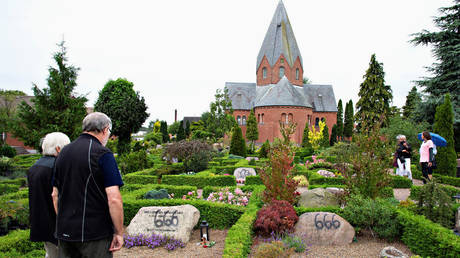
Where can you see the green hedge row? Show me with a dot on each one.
(447, 180)
(316, 179)
(225, 169)
(177, 190)
(20, 181)
(8, 188)
(20, 194)
(199, 181)
(209, 189)
(426, 238)
(239, 237)
(218, 215)
(450, 190)
(18, 241)
(137, 178)
(253, 180)
(310, 187)
(400, 182)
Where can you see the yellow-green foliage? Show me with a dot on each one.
(274, 249)
(315, 137)
(302, 180)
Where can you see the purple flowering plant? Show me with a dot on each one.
(153, 241)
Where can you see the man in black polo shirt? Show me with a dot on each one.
(42, 215)
(89, 220)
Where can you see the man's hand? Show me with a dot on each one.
(117, 243)
(430, 164)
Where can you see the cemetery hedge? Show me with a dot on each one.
(19, 241)
(415, 191)
(199, 181)
(253, 180)
(447, 180)
(8, 188)
(400, 182)
(139, 179)
(177, 190)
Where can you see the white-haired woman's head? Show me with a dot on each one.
(54, 141)
(401, 137)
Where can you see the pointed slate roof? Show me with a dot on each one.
(279, 39)
(281, 94)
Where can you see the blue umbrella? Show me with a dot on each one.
(437, 139)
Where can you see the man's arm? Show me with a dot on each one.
(54, 195)
(116, 213)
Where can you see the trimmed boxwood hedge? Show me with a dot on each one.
(8, 188)
(427, 238)
(253, 180)
(135, 178)
(316, 179)
(19, 241)
(21, 194)
(20, 181)
(450, 190)
(447, 180)
(239, 238)
(177, 190)
(199, 181)
(400, 182)
(225, 169)
(218, 215)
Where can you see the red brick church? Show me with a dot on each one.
(279, 93)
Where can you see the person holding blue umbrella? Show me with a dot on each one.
(427, 157)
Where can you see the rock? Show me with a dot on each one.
(326, 173)
(242, 173)
(318, 197)
(218, 146)
(457, 220)
(252, 158)
(335, 190)
(324, 228)
(391, 252)
(174, 221)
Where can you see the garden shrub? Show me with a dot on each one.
(400, 182)
(228, 169)
(302, 181)
(24, 162)
(13, 213)
(233, 156)
(238, 144)
(133, 161)
(435, 204)
(316, 179)
(427, 238)
(171, 169)
(273, 249)
(157, 194)
(377, 215)
(264, 150)
(310, 187)
(447, 180)
(252, 162)
(139, 191)
(253, 180)
(139, 179)
(184, 150)
(21, 181)
(197, 162)
(239, 237)
(296, 243)
(19, 241)
(8, 188)
(229, 162)
(213, 164)
(7, 151)
(199, 181)
(279, 217)
(450, 190)
(6, 166)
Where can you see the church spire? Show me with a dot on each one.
(279, 45)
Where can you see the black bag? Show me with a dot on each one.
(433, 164)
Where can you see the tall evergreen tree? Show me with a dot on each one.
(333, 135)
(252, 132)
(325, 141)
(348, 124)
(305, 140)
(164, 131)
(374, 98)
(339, 129)
(187, 129)
(446, 159)
(412, 100)
(125, 107)
(181, 132)
(55, 108)
(446, 71)
(238, 144)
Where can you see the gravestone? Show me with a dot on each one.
(318, 197)
(242, 173)
(326, 173)
(252, 158)
(174, 221)
(324, 228)
(392, 252)
(457, 220)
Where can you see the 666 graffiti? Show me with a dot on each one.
(328, 224)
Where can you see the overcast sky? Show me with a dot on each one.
(178, 52)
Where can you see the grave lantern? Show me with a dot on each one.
(457, 198)
(204, 230)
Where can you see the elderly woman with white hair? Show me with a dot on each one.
(42, 214)
(403, 155)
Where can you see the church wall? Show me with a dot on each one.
(241, 114)
(331, 119)
(273, 72)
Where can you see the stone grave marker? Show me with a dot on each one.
(324, 228)
(242, 173)
(174, 221)
(318, 197)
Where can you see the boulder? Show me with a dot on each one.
(174, 221)
(252, 158)
(326, 173)
(335, 190)
(324, 228)
(242, 173)
(318, 197)
(218, 146)
(391, 252)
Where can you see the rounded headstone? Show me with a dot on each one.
(242, 173)
(318, 197)
(324, 228)
(391, 252)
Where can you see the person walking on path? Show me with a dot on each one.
(426, 157)
(404, 152)
(42, 215)
(89, 219)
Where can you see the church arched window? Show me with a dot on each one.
(262, 119)
(264, 72)
(238, 120)
(283, 118)
(244, 120)
(281, 72)
(317, 121)
(297, 73)
(290, 118)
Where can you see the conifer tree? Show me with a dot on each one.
(339, 129)
(264, 150)
(164, 131)
(55, 108)
(180, 132)
(305, 140)
(252, 132)
(412, 99)
(187, 129)
(374, 98)
(349, 120)
(446, 159)
(333, 135)
(238, 144)
(325, 141)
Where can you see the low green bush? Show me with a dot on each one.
(310, 187)
(253, 180)
(199, 181)
(416, 173)
(20, 181)
(177, 190)
(218, 215)
(226, 169)
(239, 237)
(7, 151)
(8, 188)
(400, 182)
(133, 161)
(447, 180)
(19, 241)
(415, 191)
(426, 238)
(32, 254)
(20, 194)
(316, 179)
(213, 164)
(25, 161)
(226, 162)
(138, 178)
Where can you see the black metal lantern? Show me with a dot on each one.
(204, 230)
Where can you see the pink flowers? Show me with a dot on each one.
(226, 196)
(241, 181)
(190, 196)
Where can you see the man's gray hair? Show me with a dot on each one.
(96, 122)
(400, 137)
(53, 140)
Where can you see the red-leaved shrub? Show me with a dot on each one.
(278, 216)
